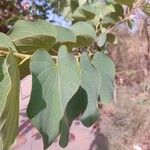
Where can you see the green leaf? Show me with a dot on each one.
(6, 43)
(89, 11)
(9, 101)
(4, 83)
(74, 5)
(84, 101)
(79, 16)
(126, 2)
(146, 9)
(91, 84)
(130, 23)
(75, 107)
(84, 32)
(101, 39)
(108, 22)
(53, 85)
(31, 35)
(81, 2)
(111, 38)
(106, 69)
(65, 37)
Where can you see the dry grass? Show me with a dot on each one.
(126, 123)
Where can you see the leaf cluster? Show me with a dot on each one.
(65, 85)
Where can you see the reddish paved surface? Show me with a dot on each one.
(81, 138)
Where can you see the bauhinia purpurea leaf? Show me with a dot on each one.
(84, 32)
(6, 43)
(9, 101)
(29, 36)
(53, 85)
(84, 101)
(106, 70)
(64, 37)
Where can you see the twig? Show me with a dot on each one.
(26, 56)
(138, 4)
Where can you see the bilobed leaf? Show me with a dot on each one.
(84, 101)
(106, 69)
(91, 83)
(75, 108)
(79, 16)
(6, 43)
(101, 39)
(64, 37)
(5, 83)
(9, 101)
(84, 32)
(53, 85)
(31, 35)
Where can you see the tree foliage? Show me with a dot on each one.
(65, 85)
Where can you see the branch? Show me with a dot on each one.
(25, 57)
(138, 4)
(19, 55)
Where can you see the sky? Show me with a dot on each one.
(59, 20)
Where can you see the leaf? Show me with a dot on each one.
(75, 107)
(4, 83)
(91, 84)
(6, 43)
(106, 69)
(81, 2)
(108, 22)
(64, 37)
(31, 35)
(53, 85)
(130, 23)
(89, 11)
(101, 39)
(111, 38)
(74, 5)
(84, 101)
(9, 101)
(126, 2)
(84, 32)
(146, 9)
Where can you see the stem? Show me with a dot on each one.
(19, 55)
(138, 4)
(26, 56)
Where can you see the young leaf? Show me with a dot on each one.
(106, 69)
(6, 43)
(85, 33)
(31, 35)
(9, 101)
(53, 85)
